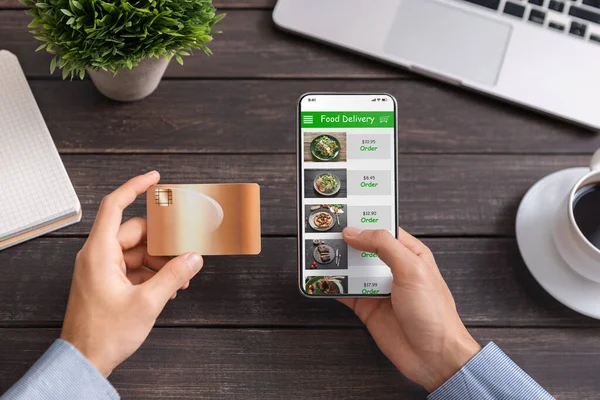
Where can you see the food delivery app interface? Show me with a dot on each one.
(347, 173)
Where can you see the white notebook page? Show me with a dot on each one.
(35, 189)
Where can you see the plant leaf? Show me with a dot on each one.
(116, 34)
(218, 18)
(36, 22)
(107, 7)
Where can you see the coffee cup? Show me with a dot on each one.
(577, 225)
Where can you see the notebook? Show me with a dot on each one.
(36, 195)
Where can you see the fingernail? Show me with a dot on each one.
(351, 232)
(194, 262)
(151, 173)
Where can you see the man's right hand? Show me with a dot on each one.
(115, 299)
(418, 328)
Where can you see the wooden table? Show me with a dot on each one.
(242, 330)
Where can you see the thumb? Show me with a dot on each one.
(173, 275)
(381, 242)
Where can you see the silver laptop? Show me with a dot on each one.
(542, 54)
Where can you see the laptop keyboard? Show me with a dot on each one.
(578, 18)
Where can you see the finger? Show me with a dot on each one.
(419, 249)
(364, 308)
(132, 233)
(173, 276)
(350, 303)
(138, 257)
(381, 242)
(415, 245)
(139, 276)
(110, 213)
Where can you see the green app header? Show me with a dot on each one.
(347, 119)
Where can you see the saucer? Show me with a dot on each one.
(535, 217)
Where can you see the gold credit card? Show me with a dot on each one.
(215, 219)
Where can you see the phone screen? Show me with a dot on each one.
(347, 156)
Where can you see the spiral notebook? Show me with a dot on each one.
(36, 194)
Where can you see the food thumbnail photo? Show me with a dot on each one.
(325, 217)
(326, 285)
(326, 254)
(325, 147)
(325, 183)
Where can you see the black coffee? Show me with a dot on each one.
(586, 209)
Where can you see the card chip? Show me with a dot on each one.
(163, 197)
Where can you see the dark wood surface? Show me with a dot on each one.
(268, 363)
(439, 195)
(491, 285)
(250, 46)
(256, 116)
(242, 330)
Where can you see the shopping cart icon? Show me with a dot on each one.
(383, 120)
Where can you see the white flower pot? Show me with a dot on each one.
(130, 84)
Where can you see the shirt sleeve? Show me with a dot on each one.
(490, 375)
(62, 373)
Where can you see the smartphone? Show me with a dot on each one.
(347, 176)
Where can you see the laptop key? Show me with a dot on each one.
(595, 38)
(592, 3)
(556, 6)
(537, 16)
(557, 26)
(537, 2)
(584, 14)
(513, 9)
(578, 29)
(493, 4)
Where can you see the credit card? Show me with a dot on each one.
(212, 219)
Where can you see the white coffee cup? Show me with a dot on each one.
(578, 252)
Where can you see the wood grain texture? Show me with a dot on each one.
(277, 364)
(490, 283)
(260, 117)
(220, 4)
(250, 46)
(465, 162)
(439, 195)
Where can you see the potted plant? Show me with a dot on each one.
(124, 45)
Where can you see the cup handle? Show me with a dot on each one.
(595, 162)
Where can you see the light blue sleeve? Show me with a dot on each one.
(62, 373)
(490, 375)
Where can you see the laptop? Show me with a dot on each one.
(541, 54)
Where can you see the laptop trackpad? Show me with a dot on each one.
(448, 41)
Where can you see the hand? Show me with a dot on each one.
(418, 328)
(115, 299)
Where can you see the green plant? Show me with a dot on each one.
(116, 34)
